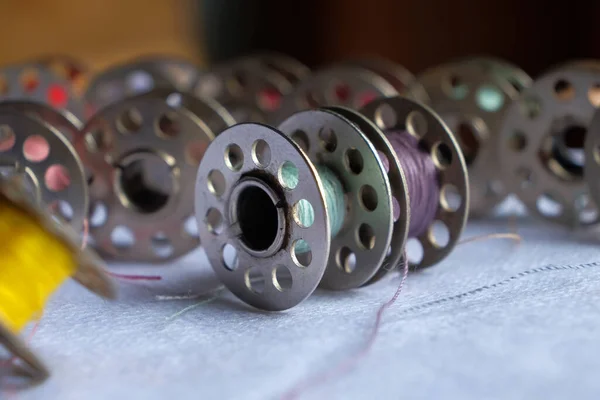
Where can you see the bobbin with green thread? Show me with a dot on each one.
(472, 95)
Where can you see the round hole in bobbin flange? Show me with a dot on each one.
(301, 139)
(304, 214)
(7, 138)
(328, 139)
(36, 148)
(255, 280)
(288, 175)
(190, 227)
(366, 236)
(229, 257)
(353, 161)
(214, 221)
(261, 153)
(564, 90)
(414, 250)
(385, 117)
(57, 178)
(439, 234)
(98, 214)
(365, 98)
(342, 93)
(269, 99)
(441, 155)
(455, 87)
(549, 206)
(450, 198)
(168, 126)
(62, 209)
(122, 237)
(30, 80)
(194, 152)
(525, 178)
(301, 253)
(368, 198)
(161, 245)
(416, 124)
(562, 151)
(517, 141)
(144, 182)
(98, 140)
(238, 83)
(346, 260)
(234, 157)
(216, 182)
(469, 141)
(530, 106)
(130, 121)
(586, 210)
(594, 95)
(489, 98)
(257, 217)
(282, 278)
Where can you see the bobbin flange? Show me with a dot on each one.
(472, 96)
(359, 248)
(36, 371)
(47, 160)
(36, 83)
(398, 187)
(403, 80)
(346, 86)
(248, 221)
(142, 151)
(398, 113)
(542, 144)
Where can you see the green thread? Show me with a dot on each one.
(334, 198)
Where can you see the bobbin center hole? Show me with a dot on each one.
(259, 216)
(145, 181)
(562, 151)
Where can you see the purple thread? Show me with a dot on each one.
(422, 180)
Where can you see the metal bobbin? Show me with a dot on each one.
(342, 85)
(358, 250)
(38, 151)
(472, 96)
(246, 217)
(258, 82)
(35, 82)
(403, 80)
(142, 153)
(542, 144)
(398, 113)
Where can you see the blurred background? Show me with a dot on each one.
(417, 34)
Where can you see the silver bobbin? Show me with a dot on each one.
(346, 86)
(33, 369)
(472, 98)
(398, 187)
(37, 83)
(542, 144)
(403, 80)
(358, 250)
(53, 171)
(241, 175)
(147, 217)
(291, 69)
(398, 113)
(248, 82)
(502, 70)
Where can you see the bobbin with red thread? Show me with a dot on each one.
(141, 152)
(36, 83)
(472, 95)
(351, 84)
(257, 83)
(542, 144)
(250, 158)
(34, 144)
(139, 76)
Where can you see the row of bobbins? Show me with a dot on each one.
(265, 213)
